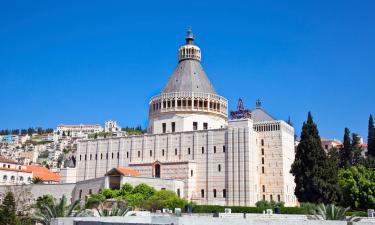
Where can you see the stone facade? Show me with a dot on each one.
(235, 162)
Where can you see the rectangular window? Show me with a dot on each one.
(271, 198)
(262, 151)
(162, 152)
(150, 153)
(173, 127)
(262, 169)
(278, 198)
(189, 151)
(127, 154)
(195, 126)
(223, 148)
(175, 151)
(164, 128)
(139, 154)
(96, 156)
(205, 126)
(90, 156)
(214, 193)
(178, 192)
(202, 193)
(262, 142)
(263, 188)
(262, 160)
(224, 193)
(264, 198)
(202, 150)
(214, 149)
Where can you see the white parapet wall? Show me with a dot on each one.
(206, 219)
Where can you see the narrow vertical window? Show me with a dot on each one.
(214, 193)
(278, 198)
(214, 149)
(262, 169)
(202, 193)
(262, 151)
(173, 127)
(178, 192)
(90, 156)
(189, 151)
(118, 155)
(262, 142)
(195, 126)
(175, 151)
(263, 188)
(205, 126)
(263, 160)
(271, 198)
(202, 150)
(219, 168)
(139, 154)
(223, 148)
(164, 125)
(150, 153)
(224, 193)
(191, 173)
(162, 152)
(127, 154)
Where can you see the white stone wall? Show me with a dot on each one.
(195, 158)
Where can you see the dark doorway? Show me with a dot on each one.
(157, 170)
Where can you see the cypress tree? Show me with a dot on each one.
(8, 210)
(371, 137)
(315, 181)
(346, 151)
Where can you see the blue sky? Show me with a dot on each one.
(89, 61)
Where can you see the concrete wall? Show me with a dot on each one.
(253, 219)
(37, 190)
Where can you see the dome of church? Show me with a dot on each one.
(189, 75)
(188, 93)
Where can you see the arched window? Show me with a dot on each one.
(21, 178)
(5, 178)
(12, 178)
(157, 170)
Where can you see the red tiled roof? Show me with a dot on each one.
(47, 176)
(127, 172)
(43, 173)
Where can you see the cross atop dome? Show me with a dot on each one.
(189, 36)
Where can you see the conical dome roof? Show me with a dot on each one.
(189, 75)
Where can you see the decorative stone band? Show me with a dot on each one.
(189, 102)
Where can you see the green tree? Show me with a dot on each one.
(165, 199)
(45, 200)
(58, 209)
(371, 137)
(356, 150)
(126, 189)
(94, 200)
(345, 152)
(8, 210)
(315, 181)
(145, 190)
(358, 185)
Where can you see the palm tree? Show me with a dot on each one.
(45, 213)
(329, 212)
(37, 180)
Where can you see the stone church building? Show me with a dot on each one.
(236, 161)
